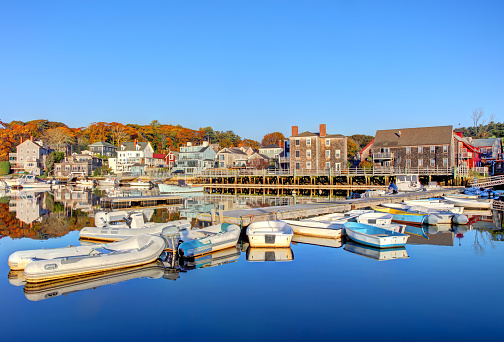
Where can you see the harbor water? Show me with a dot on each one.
(443, 286)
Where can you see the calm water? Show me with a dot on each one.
(448, 289)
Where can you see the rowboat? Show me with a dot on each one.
(326, 229)
(62, 287)
(209, 239)
(269, 234)
(375, 218)
(269, 254)
(436, 204)
(44, 265)
(341, 217)
(376, 253)
(374, 236)
(318, 241)
(217, 258)
(469, 202)
(406, 217)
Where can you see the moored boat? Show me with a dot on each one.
(269, 234)
(341, 217)
(406, 217)
(326, 229)
(209, 239)
(44, 265)
(469, 202)
(374, 236)
(375, 218)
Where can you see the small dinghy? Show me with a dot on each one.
(318, 241)
(49, 264)
(469, 202)
(382, 220)
(107, 230)
(269, 254)
(349, 216)
(407, 217)
(209, 239)
(436, 204)
(374, 236)
(376, 253)
(325, 229)
(269, 234)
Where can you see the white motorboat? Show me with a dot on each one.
(325, 229)
(132, 226)
(175, 189)
(29, 181)
(56, 263)
(269, 234)
(256, 254)
(374, 236)
(469, 202)
(209, 239)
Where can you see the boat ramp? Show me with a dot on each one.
(245, 217)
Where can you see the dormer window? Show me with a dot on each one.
(123, 147)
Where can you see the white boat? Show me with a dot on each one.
(108, 181)
(48, 264)
(209, 239)
(39, 291)
(375, 218)
(341, 217)
(269, 234)
(379, 254)
(175, 189)
(256, 254)
(140, 184)
(318, 241)
(30, 181)
(85, 182)
(443, 216)
(374, 236)
(469, 202)
(408, 183)
(133, 225)
(325, 229)
(437, 204)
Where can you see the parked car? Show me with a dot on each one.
(178, 171)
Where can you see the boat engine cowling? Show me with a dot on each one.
(136, 221)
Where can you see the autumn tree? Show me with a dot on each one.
(97, 131)
(251, 143)
(361, 140)
(352, 149)
(118, 133)
(7, 143)
(59, 138)
(275, 138)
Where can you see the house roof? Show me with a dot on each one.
(439, 135)
(234, 150)
(130, 146)
(102, 143)
(467, 143)
(484, 142)
(270, 146)
(310, 134)
(367, 146)
(259, 156)
(158, 155)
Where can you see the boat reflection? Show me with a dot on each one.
(379, 254)
(258, 254)
(16, 278)
(41, 291)
(318, 241)
(217, 258)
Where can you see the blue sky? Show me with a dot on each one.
(253, 67)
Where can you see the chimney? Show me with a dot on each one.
(322, 130)
(135, 141)
(31, 137)
(459, 134)
(21, 139)
(295, 130)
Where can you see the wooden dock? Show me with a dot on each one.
(139, 201)
(245, 217)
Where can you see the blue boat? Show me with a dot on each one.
(374, 236)
(406, 216)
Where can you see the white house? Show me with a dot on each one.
(130, 153)
(193, 159)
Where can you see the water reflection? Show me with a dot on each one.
(258, 254)
(376, 253)
(317, 241)
(217, 258)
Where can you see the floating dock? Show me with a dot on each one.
(245, 217)
(139, 201)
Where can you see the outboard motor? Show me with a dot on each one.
(135, 220)
(171, 236)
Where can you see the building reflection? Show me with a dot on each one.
(76, 198)
(29, 206)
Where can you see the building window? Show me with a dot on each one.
(328, 142)
(337, 153)
(337, 166)
(327, 165)
(221, 157)
(296, 142)
(21, 150)
(408, 149)
(445, 148)
(432, 149)
(328, 154)
(420, 162)
(298, 166)
(308, 165)
(433, 162)
(420, 149)
(408, 162)
(221, 164)
(308, 153)
(308, 141)
(297, 154)
(445, 161)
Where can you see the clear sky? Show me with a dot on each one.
(253, 67)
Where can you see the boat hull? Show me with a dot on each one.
(269, 234)
(380, 238)
(316, 228)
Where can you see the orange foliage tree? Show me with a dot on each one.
(276, 138)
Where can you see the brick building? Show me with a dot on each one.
(317, 151)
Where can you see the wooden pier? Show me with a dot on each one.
(245, 217)
(139, 201)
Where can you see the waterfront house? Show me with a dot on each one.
(420, 147)
(30, 156)
(103, 149)
(468, 155)
(137, 169)
(317, 151)
(159, 160)
(273, 151)
(231, 157)
(82, 164)
(258, 161)
(193, 159)
(171, 158)
(489, 149)
(130, 153)
(366, 151)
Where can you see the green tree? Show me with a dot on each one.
(4, 168)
